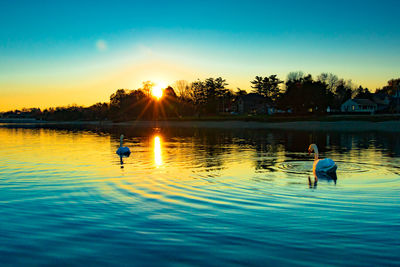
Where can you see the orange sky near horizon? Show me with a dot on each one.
(98, 87)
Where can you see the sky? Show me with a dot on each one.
(56, 53)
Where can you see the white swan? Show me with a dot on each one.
(321, 165)
(123, 150)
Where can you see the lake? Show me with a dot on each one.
(196, 197)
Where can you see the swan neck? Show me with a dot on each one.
(316, 154)
(121, 141)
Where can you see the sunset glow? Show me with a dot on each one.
(60, 63)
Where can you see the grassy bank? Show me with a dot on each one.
(331, 123)
(290, 118)
(245, 118)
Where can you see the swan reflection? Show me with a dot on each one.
(157, 151)
(121, 161)
(329, 177)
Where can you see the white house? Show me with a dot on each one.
(358, 105)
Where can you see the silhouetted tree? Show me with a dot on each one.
(240, 92)
(147, 87)
(267, 86)
(129, 104)
(361, 92)
(182, 89)
(303, 94)
(343, 92)
(391, 88)
(98, 111)
(295, 76)
(169, 103)
(208, 95)
(258, 85)
(169, 93)
(199, 93)
(331, 80)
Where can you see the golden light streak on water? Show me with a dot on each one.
(157, 151)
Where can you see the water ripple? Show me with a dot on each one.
(177, 204)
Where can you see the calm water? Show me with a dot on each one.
(197, 197)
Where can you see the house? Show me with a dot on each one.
(382, 102)
(253, 104)
(394, 105)
(359, 105)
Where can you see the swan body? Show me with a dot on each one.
(123, 150)
(321, 165)
(325, 165)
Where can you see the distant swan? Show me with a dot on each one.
(123, 150)
(325, 166)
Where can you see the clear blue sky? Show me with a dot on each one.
(75, 52)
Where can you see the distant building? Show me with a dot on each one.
(358, 105)
(253, 104)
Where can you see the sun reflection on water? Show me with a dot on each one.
(157, 151)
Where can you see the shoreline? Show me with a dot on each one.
(312, 125)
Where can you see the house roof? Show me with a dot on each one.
(255, 98)
(361, 101)
(381, 95)
(379, 100)
(252, 97)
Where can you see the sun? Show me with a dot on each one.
(157, 90)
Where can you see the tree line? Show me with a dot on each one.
(300, 93)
